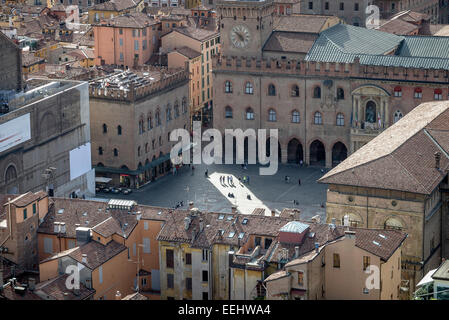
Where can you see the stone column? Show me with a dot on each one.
(387, 112)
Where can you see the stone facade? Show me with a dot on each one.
(127, 137)
(59, 123)
(10, 65)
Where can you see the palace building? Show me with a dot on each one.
(328, 87)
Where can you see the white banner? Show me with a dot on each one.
(80, 161)
(14, 132)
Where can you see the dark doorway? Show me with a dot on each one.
(339, 153)
(294, 151)
(317, 154)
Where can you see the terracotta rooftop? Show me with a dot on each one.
(380, 242)
(307, 23)
(27, 198)
(131, 20)
(199, 34)
(403, 156)
(55, 289)
(116, 5)
(398, 26)
(277, 275)
(232, 229)
(188, 52)
(97, 253)
(290, 42)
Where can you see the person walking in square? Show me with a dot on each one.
(299, 181)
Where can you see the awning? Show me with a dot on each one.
(102, 180)
(427, 278)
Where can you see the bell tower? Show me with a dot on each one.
(244, 26)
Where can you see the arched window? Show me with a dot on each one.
(157, 118)
(295, 91)
(150, 122)
(271, 115)
(271, 90)
(438, 93)
(119, 130)
(317, 118)
(393, 224)
(184, 105)
(147, 148)
(115, 152)
(138, 151)
(176, 109)
(340, 94)
(105, 128)
(249, 114)
(397, 116)
(228, 112)
(141, 128)
(228, 86)
(340, 119)
(398, 91)
(168, 113)
(418, 93)
(295, 116)
(317, 92)
(249, 88)
(100, 150)
(10, 174)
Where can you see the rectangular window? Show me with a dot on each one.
(189, 284)
(267, 243)
(144, 31)
(356, 7)
(342, 6)
(169, 258)
(100, 274)
(205, 255)
(24, 214)
(336, 260)
(205, 276)
(145, 225)
(310, 5)
(366, 262)
(144, 44)
(257, 241)
(170, 281)
(146, 245)
(34, 208)
(121, 42)
(120, 31)
(71, 244)
(326, 6)
(188, 258)
(48, 245)
(134, 249)
(300, 278)
(136, 44)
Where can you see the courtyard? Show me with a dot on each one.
(211, 194)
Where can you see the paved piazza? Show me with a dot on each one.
(269, 192)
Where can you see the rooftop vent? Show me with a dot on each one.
(376, 243)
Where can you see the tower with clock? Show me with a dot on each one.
(244, 26)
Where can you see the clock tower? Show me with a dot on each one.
(244, 26)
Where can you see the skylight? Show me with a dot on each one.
(229, 218)
(241, 234)
(376, 243)
(61, 211)
(382, 236)
(231, 234)
(221, 217)
(245, 221)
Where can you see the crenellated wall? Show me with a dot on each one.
(134, 94)
(329, 69)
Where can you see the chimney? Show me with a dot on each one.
(57, 227)
(190, 205)
(201, 225)
(273, 213)
(62, 228)
(296, 214)
(118, 296)
(84, 258)
(31, 284)
(317, 246)
(296, 252)
(186, 223)
(234, 209)
(437, 160)
(66, 296)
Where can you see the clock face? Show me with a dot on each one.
(240, 36)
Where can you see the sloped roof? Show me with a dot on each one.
(442, 273)
(398, 27)
(290, 42)
(56, 287)
(381, 243)
(307, 23)
(343, 43)
(402, 157)
(295, 227)
(116, 5)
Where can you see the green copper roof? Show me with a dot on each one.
(343, 43)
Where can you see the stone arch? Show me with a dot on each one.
(339, 153)
(394, 223)
(10, 173)
(48, 125)
(268, 149)
(295, 152)
(317, 153)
